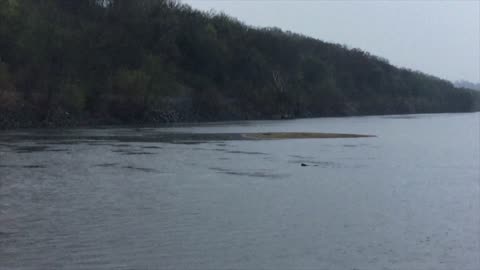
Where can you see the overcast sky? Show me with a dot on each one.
(437, 37)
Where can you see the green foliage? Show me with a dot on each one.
(135, 59)
(131, 83)
(8, 97)
(74, 97)
(5, 77)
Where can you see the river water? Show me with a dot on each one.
(406, 199)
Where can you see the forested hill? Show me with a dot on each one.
(69, 62)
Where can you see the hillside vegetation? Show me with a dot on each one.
(70, 62)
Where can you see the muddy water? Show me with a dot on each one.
(86, 199)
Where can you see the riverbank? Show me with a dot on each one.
(32, 119)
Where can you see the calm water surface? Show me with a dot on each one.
(407, 199)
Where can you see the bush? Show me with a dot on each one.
(9, 101)
(5, 78)
(73, 98)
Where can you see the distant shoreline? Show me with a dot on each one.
(180, 137)
(14, 123)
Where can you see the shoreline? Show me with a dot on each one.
(180, 137)
(105, 123)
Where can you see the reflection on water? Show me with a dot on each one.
(88, 199)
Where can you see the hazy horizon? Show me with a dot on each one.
(441, 38)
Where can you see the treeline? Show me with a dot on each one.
(67, 62)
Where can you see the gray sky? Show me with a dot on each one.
(437, 37)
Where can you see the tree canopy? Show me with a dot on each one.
(148, 61)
